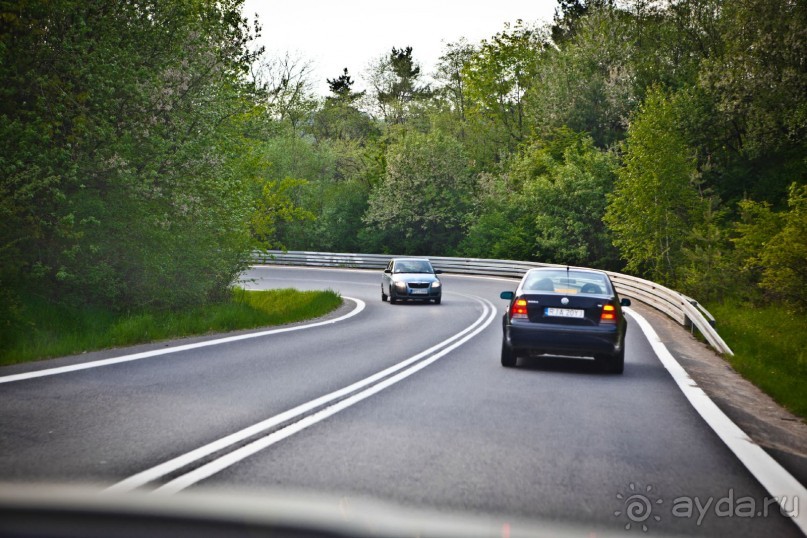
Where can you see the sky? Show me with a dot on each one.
(334, 34)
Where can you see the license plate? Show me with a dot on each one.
(564, 313)
(420, 291)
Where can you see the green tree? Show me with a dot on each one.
(568, 14)
(342, 88)
(450, 75)
(655, 203)
(420, 205)
(588, 84)
(770, 249)
(121, 129)
(568, 201)
(784, 257)
(395, 79)
(758, 76)
(340, 117)
(756, 226)
(497, 79)
(285, 84)
(708, 271)
(548, 206)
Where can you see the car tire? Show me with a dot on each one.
(617, 362)
(508, 356)
(383, 295)
(392, 299)
(613, 364)
(438, 300)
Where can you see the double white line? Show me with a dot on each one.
(298, 418)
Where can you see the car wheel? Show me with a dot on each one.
(508, 356)
(438, 300)
(613, 364)
(383, 295)
(617, 362)
(392, 299)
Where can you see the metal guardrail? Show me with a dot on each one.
(684, 310)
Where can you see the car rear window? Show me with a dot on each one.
(566, 282)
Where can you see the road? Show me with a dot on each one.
(441, 425)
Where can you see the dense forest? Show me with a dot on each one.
(148, 146)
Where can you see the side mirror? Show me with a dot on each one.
(624, 302)
(507, 295)
(388, 271)
(438, 272)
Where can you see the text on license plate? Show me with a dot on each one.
(564, 312)
(420, 291)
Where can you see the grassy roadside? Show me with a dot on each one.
(54, 331)
(770, 349)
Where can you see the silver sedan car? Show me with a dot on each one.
(411, 279)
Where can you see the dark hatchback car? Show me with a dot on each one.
(567, 312)
(411, 279)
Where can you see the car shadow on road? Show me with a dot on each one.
(560, 364)
(585, 365)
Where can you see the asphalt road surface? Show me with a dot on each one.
(407, 404)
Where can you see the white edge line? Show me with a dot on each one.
(774, 478)
(360, 306)
(144, 477)
(217, 465)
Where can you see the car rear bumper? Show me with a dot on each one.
(576, 341)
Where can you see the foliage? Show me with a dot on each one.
(419, 206)
(770, 249)
(589, 84)
(340, 117)
(451, 76)
(549, 206)
(121, 149)
(569, 202)
(758, 77)
(498, 76)
(286, 88)
(707, 269)
(784, 257)
(655, 202)
(342, 88)
(275, 205)
(395, 79)
(758, 224)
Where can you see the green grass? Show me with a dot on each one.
(48, 330)
(770, 349)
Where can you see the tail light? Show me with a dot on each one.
(519, 309)
(609, 314)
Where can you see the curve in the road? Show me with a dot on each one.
(302, 416)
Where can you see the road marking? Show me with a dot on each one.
(774, 478)
(376, 383)
(360, 306)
